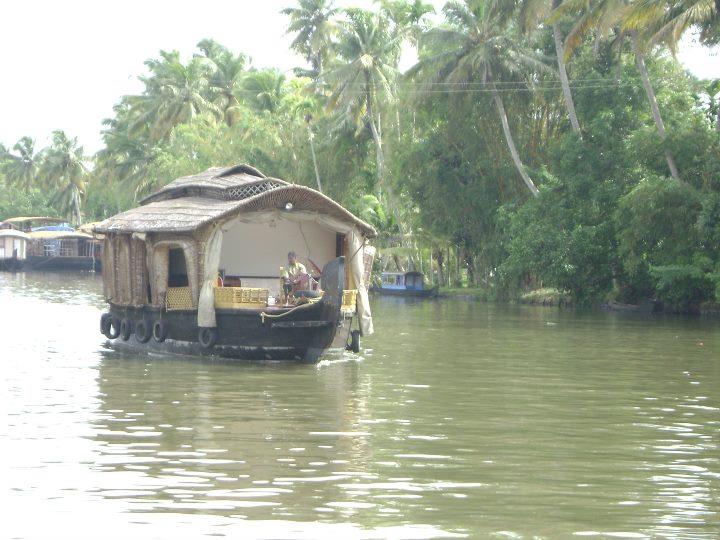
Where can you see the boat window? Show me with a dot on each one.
(177, 269)
(66, 248)
(49, 250)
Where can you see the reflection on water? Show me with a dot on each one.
(459, 419)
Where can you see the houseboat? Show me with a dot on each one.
(404, 284)
(13, 247)
(63, 250)
(53, 244)
(194, 269)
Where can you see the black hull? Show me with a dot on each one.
(11, 265)
(302, 333)
(61, 263)
(426, 293)
(248, 352)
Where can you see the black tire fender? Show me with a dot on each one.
(125, 329)
(355, 341)
(105, 322)
(207, 337)
(159, 331)
(114, 328)
(143, 332)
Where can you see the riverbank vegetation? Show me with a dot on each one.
(534, 144)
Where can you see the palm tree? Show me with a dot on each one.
(21, 168)
(408, 16)
(226, 79)
(63, 167)
(603, 16)
(667, 20)
(304, 105)
(477, 45)
(365, 75)
(175, 93)
(370, 209)
(125, 158)
(263, 89)
(363, 79)
(532, 11)
(313, 22)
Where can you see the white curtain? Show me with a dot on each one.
(356, 266)
(206, 302)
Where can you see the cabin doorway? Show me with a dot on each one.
(177, 268)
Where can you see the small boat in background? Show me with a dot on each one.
(404, 284)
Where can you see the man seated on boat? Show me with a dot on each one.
(293, 274)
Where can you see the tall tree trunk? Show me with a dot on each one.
(76, 207)
(430, 270)
(380, 165)
(458, 277)
(567, 95)
(642, 68)
(449, 267)
(312, 151)
(470, 261)
(441, 274)
(508, 138)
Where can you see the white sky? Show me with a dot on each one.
(66, 62)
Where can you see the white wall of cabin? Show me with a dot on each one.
(9, 243)
(260, 249)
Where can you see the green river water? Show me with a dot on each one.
(457, 420)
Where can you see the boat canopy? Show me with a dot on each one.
(232, 221)
(28, 219)
(14, 233)
(58, 235)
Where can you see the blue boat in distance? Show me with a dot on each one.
(410, 283)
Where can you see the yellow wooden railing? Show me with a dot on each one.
(240, 297)
(180, 298)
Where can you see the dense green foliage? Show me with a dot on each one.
(483, 157)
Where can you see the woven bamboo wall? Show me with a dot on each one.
(108, 268)
(125, 272)
(138, 273)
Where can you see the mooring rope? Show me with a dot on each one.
(264, 315)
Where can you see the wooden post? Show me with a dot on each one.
(430, 269)
(448, 267)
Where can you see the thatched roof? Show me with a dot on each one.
(228, 183)
(186, 214)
